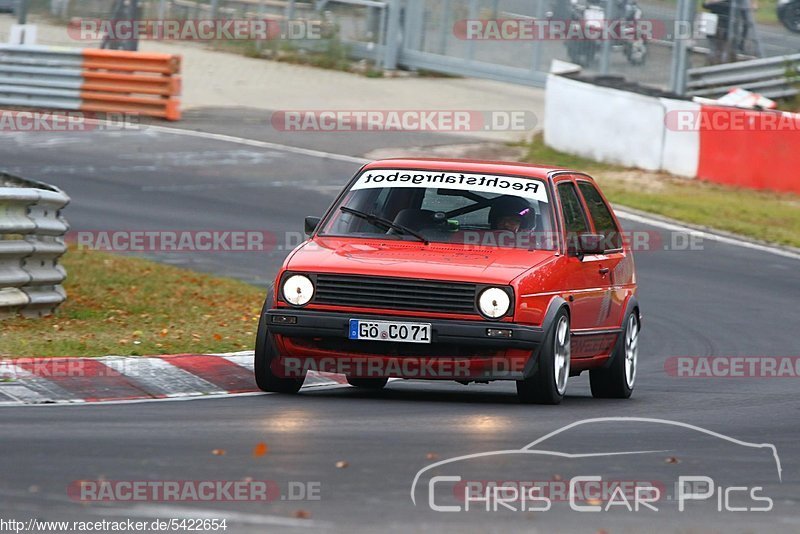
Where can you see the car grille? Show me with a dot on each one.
(395, 294)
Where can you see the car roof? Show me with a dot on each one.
(467, 165)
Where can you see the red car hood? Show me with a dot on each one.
(437, 261)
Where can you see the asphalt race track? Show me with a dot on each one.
(718, 300)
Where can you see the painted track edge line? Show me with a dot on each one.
(82, 402)
(257, 143)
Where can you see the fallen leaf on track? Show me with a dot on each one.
(260, 449)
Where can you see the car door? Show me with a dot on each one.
(585, 285)
(614, 262)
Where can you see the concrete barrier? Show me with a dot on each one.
(753, 149)
(732, 146)
(603, 124)
(680, 148)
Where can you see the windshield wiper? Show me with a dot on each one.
(384, 222)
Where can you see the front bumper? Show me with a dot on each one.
(323, 324)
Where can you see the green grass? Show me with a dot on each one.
(763, 215)
(128, 306)
(538, 152)
(767, 12)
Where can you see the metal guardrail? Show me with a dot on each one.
(773, 77)
(90, 80)
(31, 242)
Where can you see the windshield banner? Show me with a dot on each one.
(501, 185)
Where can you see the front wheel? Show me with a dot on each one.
(548, 384)
(617, 380)
(265, 355)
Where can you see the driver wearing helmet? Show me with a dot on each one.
(510, 213)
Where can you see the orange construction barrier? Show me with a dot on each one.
(131, 82)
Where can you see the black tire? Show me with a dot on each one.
(614, 382)
(367, 383)
(541, 387)
(265, 353)
(789, 16)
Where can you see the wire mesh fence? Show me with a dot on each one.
(430, 34)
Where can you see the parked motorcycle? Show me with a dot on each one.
(789, 14)
(591, 16)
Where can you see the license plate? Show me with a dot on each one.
(390, 331)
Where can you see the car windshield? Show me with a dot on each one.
(442, 207)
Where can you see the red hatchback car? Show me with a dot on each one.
(460, 270)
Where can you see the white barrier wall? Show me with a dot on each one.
(619, 127)
(681, 151)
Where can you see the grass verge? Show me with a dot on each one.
(128, 306)
(763, 215)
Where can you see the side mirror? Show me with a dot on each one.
(591, 243)
(311, 224)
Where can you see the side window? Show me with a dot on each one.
(601, 215)
(572, 212)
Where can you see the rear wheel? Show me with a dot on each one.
(265, 355)
(367, 383)
(548, 384)
(617, 380)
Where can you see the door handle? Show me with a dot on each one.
(604, 271)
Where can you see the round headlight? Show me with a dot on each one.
(298, 290)
(494, 302)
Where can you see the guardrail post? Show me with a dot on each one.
(680, 50)
(412, 24)
(393, 36)
(605, 55)
(537, 44)
(473, 15)
(443, 26)
(22, 12)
